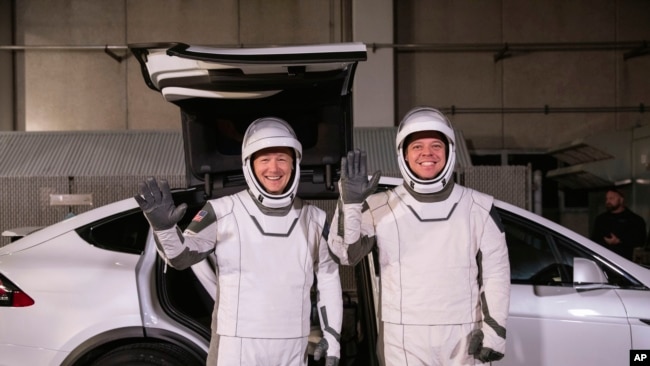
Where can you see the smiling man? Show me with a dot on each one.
(268, 245)
(273, 167)
(445, 274)
(425, 153)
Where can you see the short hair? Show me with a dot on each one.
(616, 190)
(439, 135)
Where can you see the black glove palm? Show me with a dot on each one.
(157, 204)
(483, 354)
(321, 350)
(354, 184)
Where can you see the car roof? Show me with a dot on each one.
(220, 91)
(70, 223)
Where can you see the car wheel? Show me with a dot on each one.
(146, 354)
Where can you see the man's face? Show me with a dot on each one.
(613, 201)
(425, 154)
(272, 168)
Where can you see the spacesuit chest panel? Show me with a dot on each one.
(280, 226)
(265, 293)
(427, 257)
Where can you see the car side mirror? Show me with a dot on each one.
(587, 275)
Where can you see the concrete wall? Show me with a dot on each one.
(564, 79)
(6, 68)
(83, 89)
(374, 85)
(88, 90)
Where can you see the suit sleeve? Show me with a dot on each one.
(182, 250)
(494, 282)
(598, 231)
(639, 238)
(329, 300)
(353, 234)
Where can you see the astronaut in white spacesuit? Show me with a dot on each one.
(268, 245)
(445, 274)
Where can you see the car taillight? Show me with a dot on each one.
(11, 295)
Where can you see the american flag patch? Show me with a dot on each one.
(200, 215)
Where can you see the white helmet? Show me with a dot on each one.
(261, 134)
(426, 119)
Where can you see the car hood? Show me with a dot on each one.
(220, 91)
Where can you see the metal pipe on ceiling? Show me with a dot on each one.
(544, 110)
(505, 50)
(62, 48)
(501, 50)
(494, 47)
(109, 50)
(639, 46)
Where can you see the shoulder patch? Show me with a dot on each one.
(200, 215)
(202, 219)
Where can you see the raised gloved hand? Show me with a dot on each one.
(157, 204)
(354, 184)
(479, 351)
(321, 350)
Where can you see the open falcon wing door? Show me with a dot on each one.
(220, 91)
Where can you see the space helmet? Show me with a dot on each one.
(264, 133)
(426, 119)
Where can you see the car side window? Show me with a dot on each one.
(569, 250)
(125, 232)
(530, 253)
(541, 257)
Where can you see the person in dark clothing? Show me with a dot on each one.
(619, 229)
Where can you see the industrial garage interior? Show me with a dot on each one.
(555, 92)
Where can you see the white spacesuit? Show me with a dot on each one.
(268, 248)
(445, 276)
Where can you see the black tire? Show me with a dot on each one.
(147, 354)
